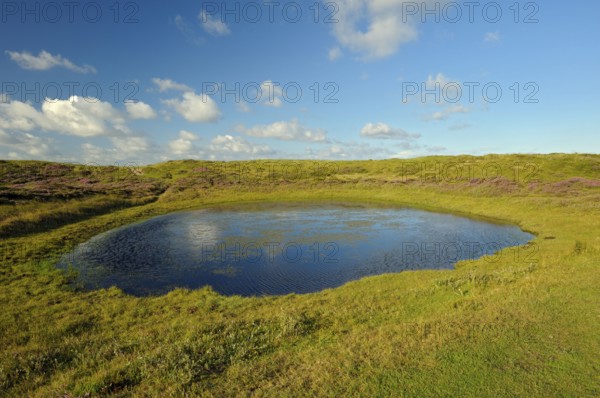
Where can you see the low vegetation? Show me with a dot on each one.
(523, 325)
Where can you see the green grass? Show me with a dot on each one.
(524, 325)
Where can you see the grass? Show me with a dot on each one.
(524, 325)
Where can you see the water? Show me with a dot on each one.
(281, 249)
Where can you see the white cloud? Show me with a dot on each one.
(44, 61)
(186, 135)
(272, 92)
(83, 117)
(130, 150)
(387, 27)
(439, 79)
(492, 37)
(195, 108)
(420, 150)
(168, 85)
(130, 144)
(334, 53)
(140, 110)
(269, 93)
(286, 131)
(184, 144)
(447, 112)
(442, 90)
(21, 116)
(213, 26)
(275, 102)
(350, 150)
(227, 145)
(445, 94)
(187, 31)
(384, 131)
(27, 143)
(96, 154)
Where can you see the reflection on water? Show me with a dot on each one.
(281, 249)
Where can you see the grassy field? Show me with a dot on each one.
(526, 325)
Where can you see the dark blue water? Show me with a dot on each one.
(281, 249)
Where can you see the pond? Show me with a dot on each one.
(277, 249)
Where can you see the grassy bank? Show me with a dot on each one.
(524, 325)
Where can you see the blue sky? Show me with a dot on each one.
(131, 81)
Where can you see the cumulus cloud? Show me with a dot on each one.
(213, 26)
(273, 93)
(16, 115)
(44, 61)
(130, 144)
(140, 110)
(228, 144)
(96, 154)
(286, 131)
(27, 143)
(387, 27)
(385, 131)
(184, 144)
(349, 150)
(195, 108)
(83, 117)
(129, 149)
(169, 85)
(186, 135)
(86, 118)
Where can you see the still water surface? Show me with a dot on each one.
(278, 249)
